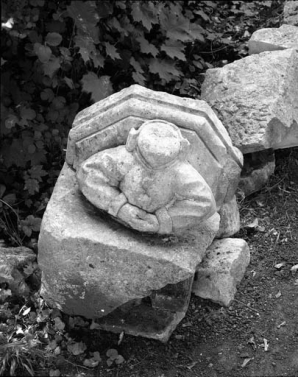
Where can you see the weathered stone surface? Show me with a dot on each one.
(256, 98)
(154, 317)
(12, 261)
(92, 265)
(273, 39)
(106, 124)
(291, 13)
(221, 270)
(229, 219)
(258, 167)
(148, 184)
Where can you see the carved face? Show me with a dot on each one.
(158, 142)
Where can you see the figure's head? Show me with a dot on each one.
(158, 142)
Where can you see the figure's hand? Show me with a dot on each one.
(138, 219)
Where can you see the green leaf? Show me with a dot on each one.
(53, 39)
(136, 65)
(69, 82)
(11, 121)
(99, 88)
(196, 32)
(105, 8)
(146, 47)
(88, 51)
(139, 78)
(198, 64)
(59, 102)
(47, 95)
(164, 68)
(43, 52)
(51, 66)
(36, 172)
(59, 324)
(112, 353)
(174, 49)
(85, 17)
(144, 12)
(180, 28)
(10, 199)
(31, 185)
(26, 113)
(111, 51)
(202, 14)
(14, 153)
(119, 359)
(77, 348)
(115, 24)
(31, 148)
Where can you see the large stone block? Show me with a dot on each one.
(256, 98)
(222, 269)
(272, 39)
(106, 124)
(98, 268)
(92, 265)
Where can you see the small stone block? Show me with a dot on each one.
(221, 270)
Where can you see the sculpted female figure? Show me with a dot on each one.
(148, 184)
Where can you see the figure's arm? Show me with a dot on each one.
(193, 202)
(99, 178)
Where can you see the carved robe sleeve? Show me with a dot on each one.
(99, 177)
(194, 201)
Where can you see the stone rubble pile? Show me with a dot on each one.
(94, 264)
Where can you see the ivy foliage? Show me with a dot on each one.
(60, 56)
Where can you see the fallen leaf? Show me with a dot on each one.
(245, 362)
(278, 294)
(96, 356)
(266, 345)
(294, 268)
(261, 229)
(77, 348)
(26, 311)
(253, 224)
(190, 366)
(252, 342)
(260, 203)
(110, 362)
(112, 353)
(54, 373)
(59, 325)
(120, 338)
(279, 265)
(91, 363)
(119, 359)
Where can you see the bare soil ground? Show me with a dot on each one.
(258, 334)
